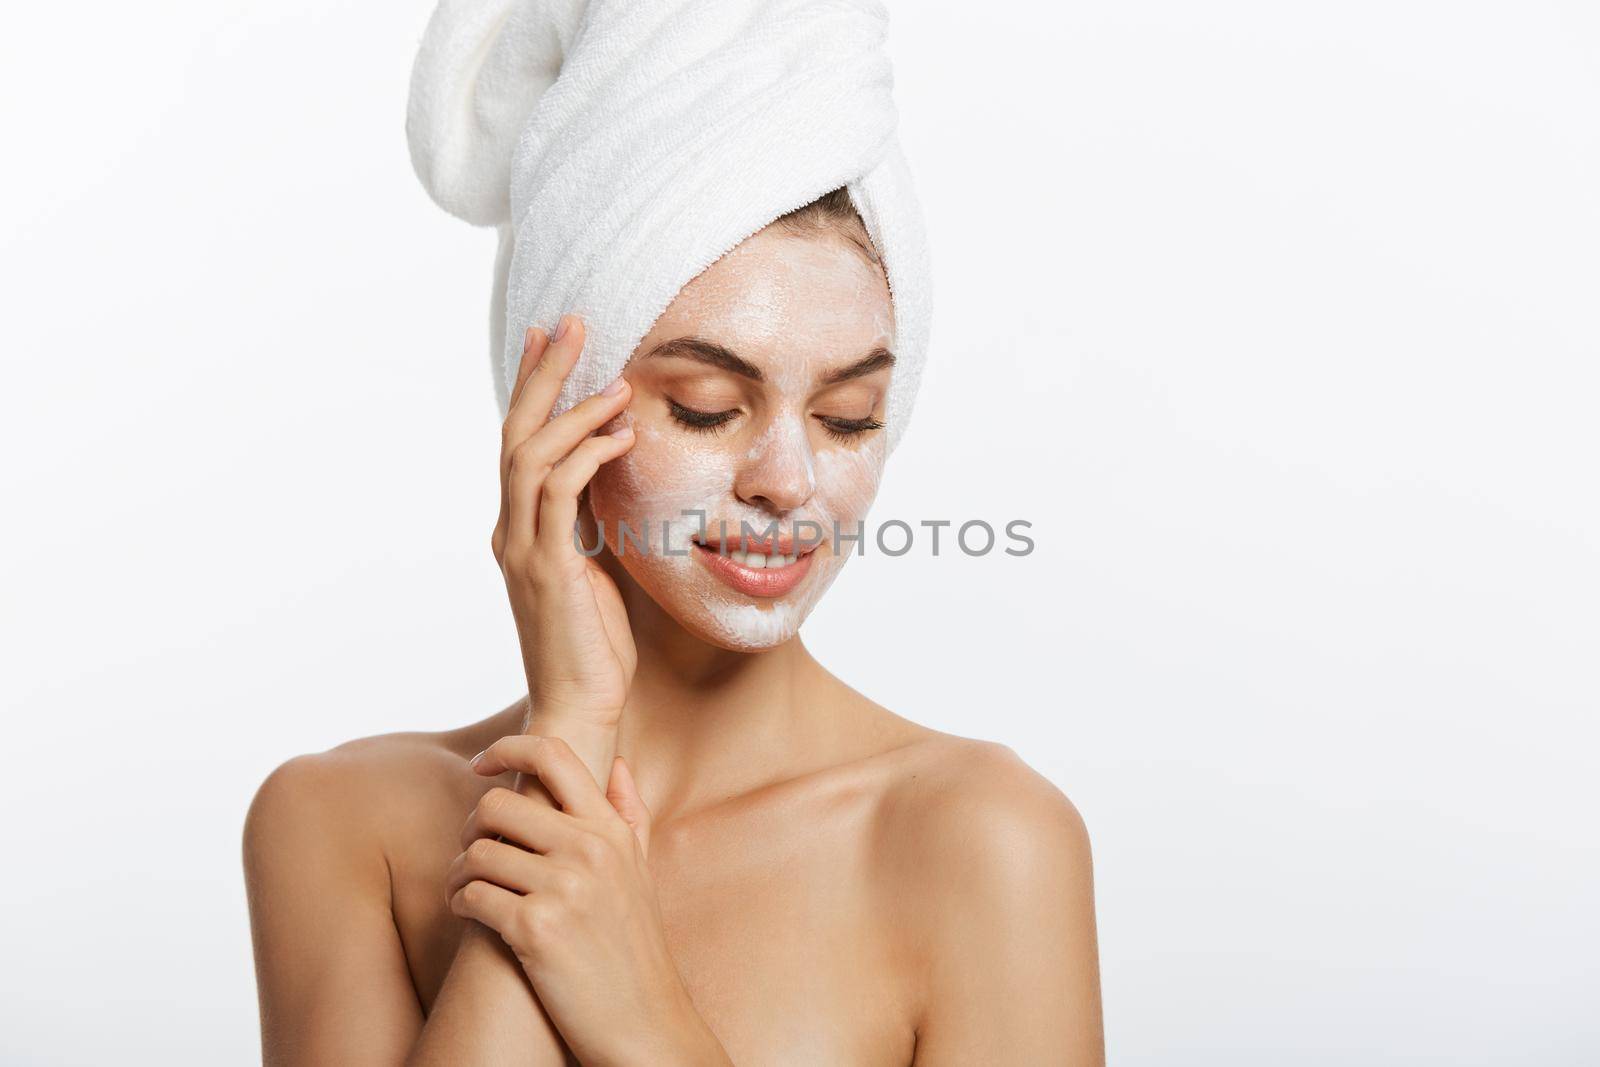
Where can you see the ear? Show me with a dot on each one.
(624, 797)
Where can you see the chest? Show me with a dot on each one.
(779, 935)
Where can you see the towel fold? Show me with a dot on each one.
(622, 146)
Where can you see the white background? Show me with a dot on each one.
(1278, 321)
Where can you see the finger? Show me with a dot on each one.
(546, 364)
(558, 505)
(555, 764)
(534, 343)
(489, 860)
(488, 903)
(538, 362)
(538, 396)
(624, 797)
(534, 459)
(524, 821)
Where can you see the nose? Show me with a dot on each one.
(779, 473)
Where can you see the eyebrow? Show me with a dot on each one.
(715, 355)
(875, 360)
(710, 353)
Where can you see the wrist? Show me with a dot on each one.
(592, 739)
(587, 717)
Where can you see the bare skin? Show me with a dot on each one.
(690, 850)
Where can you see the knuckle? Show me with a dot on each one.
(515, 558)
(536, 922)
(525, 460)
(593, 849)
(554, 748)
(561, 483)
(570, 887)
(621, 835)
(495, 801)
(479, 851)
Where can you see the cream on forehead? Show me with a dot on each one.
(776, 287)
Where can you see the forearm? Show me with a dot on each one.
(486, 1012)
(690, 1042)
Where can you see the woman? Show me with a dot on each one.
(689, 843)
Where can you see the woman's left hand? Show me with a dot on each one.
(568, 891)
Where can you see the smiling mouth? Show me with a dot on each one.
(759, 568)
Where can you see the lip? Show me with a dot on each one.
(765, 582)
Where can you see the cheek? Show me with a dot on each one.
(848, 479)
(665, 474)
(655, 490)
(657, 478)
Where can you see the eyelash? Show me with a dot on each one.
(700, 421)
(844, 429)
(713, 421)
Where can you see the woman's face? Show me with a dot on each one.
(758, 403)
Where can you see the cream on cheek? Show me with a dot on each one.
(655, 490)
(668, 480)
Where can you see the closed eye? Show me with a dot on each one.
(844, 429)
(700, 421)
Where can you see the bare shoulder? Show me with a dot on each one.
(963, 818)
(976, 853)
(365, 788)
(936, 791)
(991, 896)
(323, 839)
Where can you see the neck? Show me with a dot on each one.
(702, 722)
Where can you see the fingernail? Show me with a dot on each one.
(478, 757)
(561, 329)
(622, 433)
(613, 389)
(527, 339)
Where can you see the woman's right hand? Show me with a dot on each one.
(577, 649)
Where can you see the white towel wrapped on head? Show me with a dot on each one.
(623, 146)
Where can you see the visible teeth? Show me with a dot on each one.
(761, 560)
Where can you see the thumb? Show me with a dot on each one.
(624, 796)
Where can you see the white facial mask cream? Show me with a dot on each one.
(791, 308)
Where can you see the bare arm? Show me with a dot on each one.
(487, 1008)
(332, 969)
(330, 972)
(1013, 972)
(571, 624)
(486, 1012)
